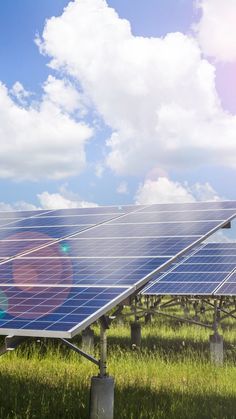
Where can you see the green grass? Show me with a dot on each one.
(170, 377)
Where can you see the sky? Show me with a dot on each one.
(116, 102)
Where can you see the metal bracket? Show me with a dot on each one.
(79, 351)
(11, 343)
(105, 322)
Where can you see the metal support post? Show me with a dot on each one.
(196, 316)
(102, 386)
(88, 340)
(148, 316)
(135, 335)
(216, 340)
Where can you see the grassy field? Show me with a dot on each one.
(170, 377)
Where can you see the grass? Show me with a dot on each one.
(169, 378)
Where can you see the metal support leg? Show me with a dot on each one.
(216, 340)
(102, 386)
(88, 340)
(135, 335)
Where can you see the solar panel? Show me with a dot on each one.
(192, 206)
(22, 214)
(121, 247)
(198, 273)
(38, 228)
(46, 311)
(228, 287)
(41, 291)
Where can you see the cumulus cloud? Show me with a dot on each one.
(41, 140)
(158, 95)
(18, 91)
(62, 199)
(18, 206)
(165, 190)
(63, 94)
(216, 30)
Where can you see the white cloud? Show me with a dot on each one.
(63, 94)
(40, 141)
(157, 94)
(18, 206)
(216, 30)
(46, 200)
(122, 188)
(164, 190)
(62, 199)
(19, 92)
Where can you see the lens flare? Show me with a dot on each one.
(3, 304)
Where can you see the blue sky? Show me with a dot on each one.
(145, 160)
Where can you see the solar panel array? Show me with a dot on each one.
(63, 269)
(209, 270)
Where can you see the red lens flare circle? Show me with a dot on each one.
(38, 281)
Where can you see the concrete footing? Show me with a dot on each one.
(88, 340)
(102, 398)
(216, 349)
(135, 335)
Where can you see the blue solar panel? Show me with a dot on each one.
(78, 271)
(118, 247)
(9, 248)
(194, 206)
(206, 267)
(26, 234)
(189, 288)
(63, 221)
(117, 255)
(6, 221)
(210, 259)
(184, 277)
(185, 216)
(152, 230)
(57, 311)
(223, 245)
(118, 209)
(22, 214)
(218, 252)
(195, 267)
(50, 232)
(229, 285)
